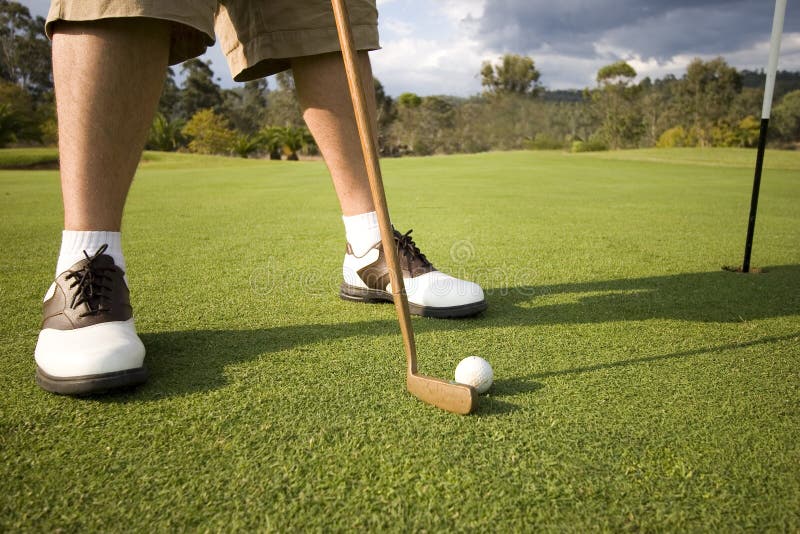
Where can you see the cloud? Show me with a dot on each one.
(652, 29)
(429, 47)
(428, 66)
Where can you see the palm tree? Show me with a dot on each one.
(244, 145)
(272, 140)
(294, 140)
(164, 135)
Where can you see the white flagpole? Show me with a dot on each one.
(769, 89)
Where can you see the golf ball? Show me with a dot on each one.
(476, 372)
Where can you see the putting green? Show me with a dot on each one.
(637, 385)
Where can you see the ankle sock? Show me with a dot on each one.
(362, 231)
(74, 243)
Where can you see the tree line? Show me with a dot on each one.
(711, 104)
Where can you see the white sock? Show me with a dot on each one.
(73, 245)
(362, 231)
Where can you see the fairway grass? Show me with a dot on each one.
(637, 385)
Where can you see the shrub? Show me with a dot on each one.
(209, 133)
(748, 131)
(674, 137)
(542, 141)
(723, 135)
(592, 145)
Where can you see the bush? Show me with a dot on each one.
(209, 133)
(592, 145)
(748, 131)
(542, 141)
(723, 135)
(674, 137)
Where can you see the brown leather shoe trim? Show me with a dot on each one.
(376, 274)
(412, 261)
(90, 292)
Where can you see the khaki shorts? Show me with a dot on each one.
(257, 36)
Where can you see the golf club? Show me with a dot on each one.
(457, 398)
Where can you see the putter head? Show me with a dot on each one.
(456, 398)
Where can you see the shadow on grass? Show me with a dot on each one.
(186, 362)
(717, 296)
(660, 357)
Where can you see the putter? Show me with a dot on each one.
(456, 398)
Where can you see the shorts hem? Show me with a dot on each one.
(270, 53)
(191, 33)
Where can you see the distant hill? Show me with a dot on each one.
(785, 81)
(563, 95)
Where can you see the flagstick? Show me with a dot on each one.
(769, 89)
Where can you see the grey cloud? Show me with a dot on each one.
(650, 28)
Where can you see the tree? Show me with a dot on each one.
(246, 107)
(19, 118)
(243, 145)
(707, 93)
(387, 114)
(283, 108)
(24, 49)
(658, 112)
(515, 75)
(285, 81)
(405, 130)
(169, 105)
(616, 103)
(437, 119)
(786, 117)
(199, 91)
(409, 101)
(619, 73)
(209, 133)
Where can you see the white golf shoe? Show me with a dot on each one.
(88, 342)
(431, 293)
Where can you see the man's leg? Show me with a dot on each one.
(327, 109)
(323, 93)
(108, 77)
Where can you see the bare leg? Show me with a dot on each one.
(108, 77)
(328, 111)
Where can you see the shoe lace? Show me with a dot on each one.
(406, 246)
(94, 285)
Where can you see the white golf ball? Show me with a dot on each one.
(476, 372)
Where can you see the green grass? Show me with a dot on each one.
(716, 157)
(47, 157)
(20, 158)
(638, 386)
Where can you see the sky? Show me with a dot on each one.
(438, 46)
